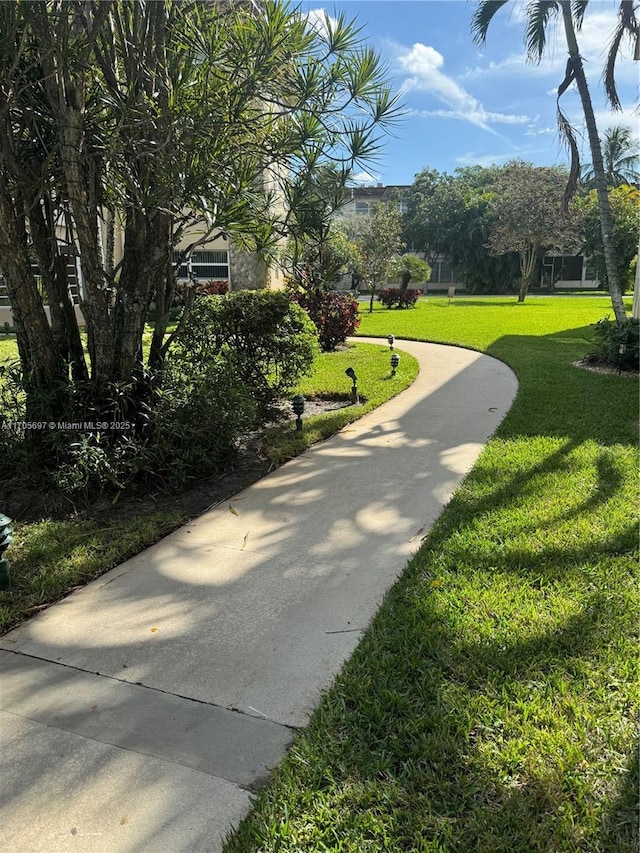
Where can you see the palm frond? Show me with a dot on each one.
(578, 8)
(569, 77)
(609, 78)
(482, 17)
(568, 137)
(538, 14)
(627, 25)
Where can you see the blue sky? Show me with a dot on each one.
(467, 105)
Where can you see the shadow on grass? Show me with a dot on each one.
(624, 812)
(489, 705)
(560, 399)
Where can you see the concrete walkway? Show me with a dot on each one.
(138, 713)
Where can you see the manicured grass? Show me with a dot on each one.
(51, 557)
(492, 703)
(328, 381)
(8, 348)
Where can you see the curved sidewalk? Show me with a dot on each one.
(138, 713)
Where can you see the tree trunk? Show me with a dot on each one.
(606, 222)
(164, 301)
(42, 367)
(53, 268)
(528, 258)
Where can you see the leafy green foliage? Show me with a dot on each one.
(200, 415)
(528, 216)
(616, 345)
(379, 243)
(392, 297)
(335, 316)
(261, 337)
(621, 159)
(538, 14)
(409, 267)
(625, 213)
(451, 216)
(169, 120)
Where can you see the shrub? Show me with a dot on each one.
(212, 288)
(234, 354)
(160, 429)
(390, 296)
(198, 420)
(260, 336)
(609, 336)
(335, 316)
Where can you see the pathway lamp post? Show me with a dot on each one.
(395, 361)
(6, 538)
(622, 348)
(354, 388)
(297, 405)
(391, 339)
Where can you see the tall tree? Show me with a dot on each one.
(451, 215)
(529, 218)
(160, 116)
(539, 13)
(625, 208)
(378, 241)
(621, 158)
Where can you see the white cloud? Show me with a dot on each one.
(533, 131)
(425, 65)
(593, 41)
(471, 158)
(363, 178)
(318, 18)
(497, 118)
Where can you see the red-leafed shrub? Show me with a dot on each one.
(212, 288)
(394, 296)
(334, 314)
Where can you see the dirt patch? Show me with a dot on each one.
(604, 368)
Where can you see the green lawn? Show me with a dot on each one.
(491, 704)
(50, 557)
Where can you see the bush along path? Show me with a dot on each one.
(491, 704)
(167, 688)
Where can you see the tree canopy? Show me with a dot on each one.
(529, 217)
(151, 117)
(625, 209)
(621, 158)
(538, 14)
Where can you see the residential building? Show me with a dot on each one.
(557, 272)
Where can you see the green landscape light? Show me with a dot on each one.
(297, 404)
(395, 361)
(622, 348)
(354, 388)
(6, 539)
(392, 340)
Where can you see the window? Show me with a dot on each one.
(590, 271)
(205, 266)
(362, 207)
(72, 282)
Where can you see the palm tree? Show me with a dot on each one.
(621, 158)
(539, 12)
